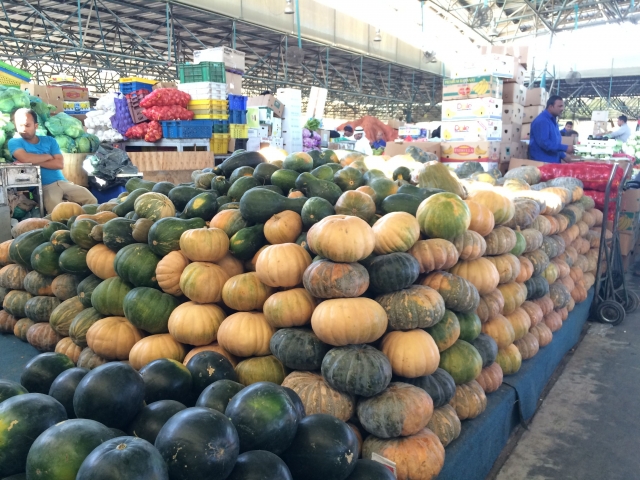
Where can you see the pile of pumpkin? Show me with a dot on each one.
(396, 304)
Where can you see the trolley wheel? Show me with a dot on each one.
(610, 312)
(632, 302)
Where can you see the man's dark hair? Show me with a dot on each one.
(623, 118)
(570, 123)
(27, 111)
(552, 100)
(348, 128)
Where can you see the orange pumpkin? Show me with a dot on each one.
(113, 338)
(508, 267)
(412, 354)
(482, 273)
(503, 208)
(231, 265)
(434, 254)
(155, 347)
(509, 359)
(490, 378)
(341, 238)
(528, 346)
(470, 245)
(289, 308)
(482, 220)
(514, 295)
(204, 244)
(246, 334)
(318, 397)
(545, 303)
(349, 321)
(64, 211)
(542, 333)
(100, 261)
(469, 400)
(490, 305)
(169, 270)
(68, 348)
(4, 253)
(195, 324)
(395, 232)
(202, 282)
(526, 270)
(500, 329)
(520, 322)
(245, 292)
(534, 311)
(282, 265)
(283, 227)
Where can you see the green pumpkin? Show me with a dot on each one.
(154, 206)
(222, 201)
(81, 233)
(395, 271)
(285, 179)
(81, 324)
(487, 348)
(300, 162)
(202, 206)
(348, 179)
(261, 369)
(181, 195)
(15, 301)
(36, 283)
(74, 260)
(560, 295)
(38, 309)
(414, 307)
(53, 227)
(324, 172)
(86, 288)
(383, 188)
(241, 186)
(458, 293)
(45, 260)
(239, 173)
(23, 246)
(298, 348)
(402, 173)
(149, 309)
(259, 204)
(400, 202)
(62, 316)
(357, 370)
(163, 187)
(462, 361)
(108, 297)
(164, 235)
(166, 379)
(314, 210)
(152, 418)
(264, 171)
(446, 332)
(443, 215)
(240, 158)
(136, 264)
(521, 244)
(135, 183)
(539, 259)
(439, 385)
(229, 206)
(470, 326)
(61, 240)
(314, 187)
(128, 204)
(247, 241)
(217, 395)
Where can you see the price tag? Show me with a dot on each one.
(386, 462)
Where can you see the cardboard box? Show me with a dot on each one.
(631, 200)
(276, 127)
(399, 148)
(325, 137)
(73, 107)
(511, 133)
(265, 115)
(512, 113)
(490, 64)
(164, 85)
(525, 132)
(234, 83)
(473, 87)
(265, 131)
(75, 94)
(232, 59)
(572, 140)
(627, 241)
(472, 109)
(509, 150)
(521, 162)
(600, 128)
(471, 131)
(600, 115)
(519, 74)
(496, 49)
(530, 113)
(253, 117)
(253, 144)
(470, 151)
(524, 149)
(50, 95)
(269, 101)
(514, 93)
(520, 53)
(394, 123)
(536, 96)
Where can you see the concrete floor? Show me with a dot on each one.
(587, 427)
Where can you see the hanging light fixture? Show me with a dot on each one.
(378, 37)
(288, 9)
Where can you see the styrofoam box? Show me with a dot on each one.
(205, 90)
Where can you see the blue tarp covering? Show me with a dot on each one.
(472, 455)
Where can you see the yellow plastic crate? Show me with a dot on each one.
(219, 143)
(208, 104)
(211, 116)
(239, 130)
(139, 80)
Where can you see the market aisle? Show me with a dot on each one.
(587, 427)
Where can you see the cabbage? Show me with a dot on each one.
(66, 144)
(74, 131)
(63, 124)
(83, 145)
(12, 99)
(54, 126)
(9, 129)
(43, 110)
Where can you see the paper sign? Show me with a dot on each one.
(386, 462)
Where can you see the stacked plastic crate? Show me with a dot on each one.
(133, 84)
(206, 83)
(238, 128)
(11, 76)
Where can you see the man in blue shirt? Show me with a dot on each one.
(45, 152)
(380, 141)
(568, 130)
(545, 144)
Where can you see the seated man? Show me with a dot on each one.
(45, 152)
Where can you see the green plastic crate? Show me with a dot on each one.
(202, 72)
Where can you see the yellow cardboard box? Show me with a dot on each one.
(472, 109)
(470, 151)
(471, 87)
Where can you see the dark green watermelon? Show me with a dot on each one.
(122, 458)
(324, 447)
(10, 389)
(198, 443)
(166, 379)
(370, 470)
(297, 402)
(29, 415)
(208, 367)
(152, 418)
(58, 452)
(218, 394)
(64, 387)
(42, 370)
(111, 394)
(265, 417)
(260, 465)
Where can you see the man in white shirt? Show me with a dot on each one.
(623, 133)
(362, 143)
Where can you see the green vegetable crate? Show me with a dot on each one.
(202, 72)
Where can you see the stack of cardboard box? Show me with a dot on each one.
(292, 121)
(482, 113)
(599, 119)
(264, 119)
(629, 226)
(535, 103)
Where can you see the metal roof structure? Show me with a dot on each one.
(99, 41)
(499, 21)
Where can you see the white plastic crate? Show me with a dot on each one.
(205, 90)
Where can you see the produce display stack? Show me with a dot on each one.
(323, 309)
(291, 119)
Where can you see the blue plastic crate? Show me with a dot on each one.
(237, 102)
(238, 116)
(133, 86)
(187, 129)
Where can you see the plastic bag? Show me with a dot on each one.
(165, 97)
(107, 163)
(593, 175)
(154, 132)
(12, 99)
(122, 120)
(173, 112)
